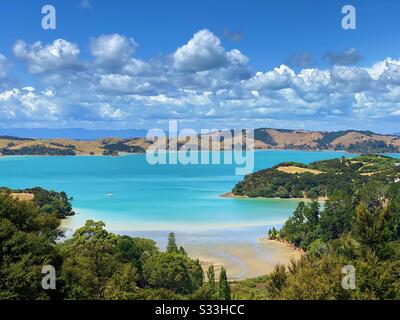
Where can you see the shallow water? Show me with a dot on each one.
(131, 195)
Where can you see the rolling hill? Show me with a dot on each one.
(265, 138)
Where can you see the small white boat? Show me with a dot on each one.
(110, 194)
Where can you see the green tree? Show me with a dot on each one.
(208, 291)
(211, 276)
(293, 229)
(27, 243)
(89, 261)
(52, 202)
(277, 280)
(315, 278)
(317, 248)
(394, 212)
(311, 214)
(273, 234)
(337, 216)
(370, 225)
(182, 251)
(171, 245)
(122, 284)
(377, 278)
(128, 251)
(174, 272)
(224, 289)
(282, 192)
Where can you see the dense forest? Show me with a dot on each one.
(122, 147)
(358, 226)
(94, 263)
(38, 150)
(49, 202)
(319, 179)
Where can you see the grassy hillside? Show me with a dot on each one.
(63, 147)
(351, 141)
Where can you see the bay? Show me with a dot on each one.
(129, 194)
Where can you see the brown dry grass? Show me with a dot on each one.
(294, 170)
(295, 138)
(23, 196)
(357, 137)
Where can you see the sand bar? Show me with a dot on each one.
(244, 260)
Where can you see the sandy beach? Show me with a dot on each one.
(244, 260)
(244, 252)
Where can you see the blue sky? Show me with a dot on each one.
(209, 64)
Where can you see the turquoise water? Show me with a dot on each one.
(153, 197)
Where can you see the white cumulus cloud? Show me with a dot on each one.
(61, 54)
(202, 52)
(200, 81)
(113, 50)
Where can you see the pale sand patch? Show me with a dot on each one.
(293, 170)
(23, 196)
(244, 260)
(369, 174)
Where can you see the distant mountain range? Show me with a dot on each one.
(133, 141)
(72, 133)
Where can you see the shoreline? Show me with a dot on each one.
(244, 260)
(68, 224)
(245, 252)
(292, 246)
(122, 153)
(230, 195)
